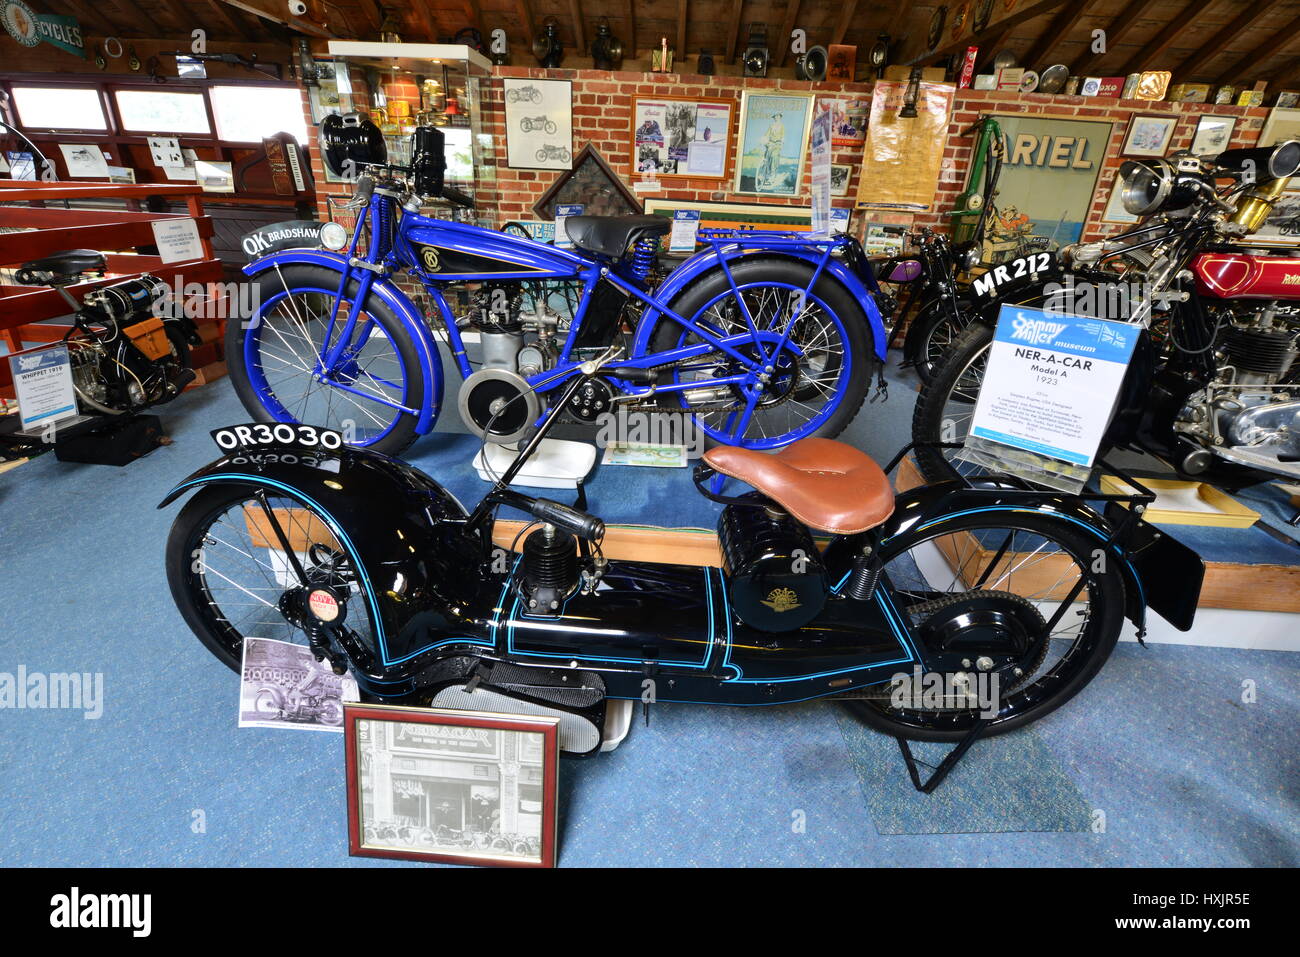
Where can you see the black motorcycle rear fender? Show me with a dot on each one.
(1173, 596)
(417, 561)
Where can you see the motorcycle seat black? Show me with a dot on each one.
(611, 235)
(70, 262)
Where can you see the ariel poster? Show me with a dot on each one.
(773, 140)
(1049, 174)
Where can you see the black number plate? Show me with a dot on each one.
(260, 435)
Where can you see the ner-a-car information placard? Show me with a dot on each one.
(1050, 387)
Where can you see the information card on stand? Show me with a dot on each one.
(1049, 389)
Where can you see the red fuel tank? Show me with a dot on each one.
(1240, 276)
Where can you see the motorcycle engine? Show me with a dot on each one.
(1250, 414)
(775, 578)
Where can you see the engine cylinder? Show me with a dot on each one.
(1266, 352)
(775, 577)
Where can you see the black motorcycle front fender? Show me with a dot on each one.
(407, 536)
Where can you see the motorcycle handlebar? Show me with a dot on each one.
(570, 519)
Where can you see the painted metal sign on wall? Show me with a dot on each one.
(30, 28)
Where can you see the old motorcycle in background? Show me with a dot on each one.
(762, 338)
(1213, 388)
(128, 350)
(992, 588)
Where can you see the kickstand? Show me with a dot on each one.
(946, 765)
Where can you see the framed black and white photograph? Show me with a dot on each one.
(1213, 134)
(539, 123)
(282, 685)
(459, 787)
(1149, 135)
(840, 176)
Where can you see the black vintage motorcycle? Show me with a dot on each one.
(1212, 387)
(831, 587)
(127, 350)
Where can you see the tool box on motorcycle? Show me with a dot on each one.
(116, 440)
(150, 337)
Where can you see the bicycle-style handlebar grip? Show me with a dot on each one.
(457, 197)
(570, 519)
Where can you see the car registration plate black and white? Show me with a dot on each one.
(258, 435)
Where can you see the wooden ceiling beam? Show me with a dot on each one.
(988, 33)
(1056, 31)
(1153, 49)
(272, 13)
(683, 9)
(787, 27)
(525, 12)
(1250, 62)
(86, 14)
(579, 31)
(233, 21)
(630, 52)
(844, 21)
(427, 18)
(1116, 30)
(1212, 47)
(733, 29)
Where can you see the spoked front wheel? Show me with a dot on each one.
(815, 385)
(1010, 613)
(232, 578)
(371, 389)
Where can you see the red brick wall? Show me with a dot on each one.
(602, 106)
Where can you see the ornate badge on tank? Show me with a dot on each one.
(429, 256)
(782, 599)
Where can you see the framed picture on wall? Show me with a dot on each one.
(774, 131)
(679, 136)
(460, 787)
(1148, 135)
(1115, 211)
(1213, 134)
(539, 124)
(1282, 228)
(840, 176)
(737, 215)
(1281, 125)
(591, 184)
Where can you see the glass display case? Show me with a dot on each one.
(405, 85)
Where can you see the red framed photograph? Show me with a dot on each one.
(457, 787)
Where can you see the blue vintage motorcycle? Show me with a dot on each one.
(761, 338)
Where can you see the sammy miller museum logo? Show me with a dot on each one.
(1036, 332)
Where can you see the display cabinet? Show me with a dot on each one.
(404, 85)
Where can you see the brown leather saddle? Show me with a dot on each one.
(827, 485)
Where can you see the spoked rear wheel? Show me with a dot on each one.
(231, 577)
(815, 388)
(1011, 614)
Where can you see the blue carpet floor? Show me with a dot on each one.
(1158, 762)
